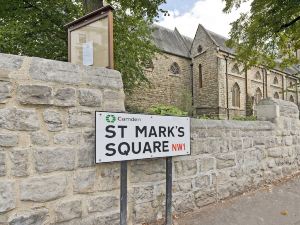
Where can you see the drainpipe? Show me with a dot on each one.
(266, 82)
(297, 100)
(282, 84)
(246, 89)
(263, 76)
(227, 100)
(192, 81)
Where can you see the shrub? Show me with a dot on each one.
(245, 118)
(165, 110)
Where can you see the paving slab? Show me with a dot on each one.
(274, 205)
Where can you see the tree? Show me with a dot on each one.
(269, 35)
(36, 28)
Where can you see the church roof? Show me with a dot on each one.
(171, 41)
(220, 41)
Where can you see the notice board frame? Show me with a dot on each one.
(92, 17)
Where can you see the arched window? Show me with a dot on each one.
(275, 81)
(292, 98)
(258, 95)
(199, 49)
(174, 68)
(291, 84)
(258, 75)
(235, 69)
(276, 95)
(236, 95)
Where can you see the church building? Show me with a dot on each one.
(204, 69)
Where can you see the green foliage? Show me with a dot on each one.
(245, 118)
(166, 111)
(186, 102)
(134, 109)
(208, 117)
(36, 28)
(268, 34)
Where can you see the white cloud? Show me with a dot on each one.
(206, 12)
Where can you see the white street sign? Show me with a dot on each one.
(122, 136)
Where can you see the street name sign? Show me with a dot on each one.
(123, 137)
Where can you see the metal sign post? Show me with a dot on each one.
(169, 191)
(123, 193)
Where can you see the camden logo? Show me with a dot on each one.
(110, 118)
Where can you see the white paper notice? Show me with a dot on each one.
(88, 54)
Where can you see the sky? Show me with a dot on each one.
(187, 14)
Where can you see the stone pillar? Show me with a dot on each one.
(271, 109)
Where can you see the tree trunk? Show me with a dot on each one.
(92, 5)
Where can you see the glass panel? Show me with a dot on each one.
(97, 33)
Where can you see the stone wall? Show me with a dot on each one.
(47, 170)
(228, 158)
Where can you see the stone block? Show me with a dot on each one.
(19, 119)
(275, 152)
(53, 120)
(206, 164)
(183, 203)
(86, 155)
(10, 62)
(34, 94)
(103, 78)
(39, 138)
(81, 118)
(113, 100)
(36, 216)
(90, 97)
(54, 159)
(149, 170)
(84, 181)
(225, 161)
(109, 177)
(202, 182)
(203, 198)
(183, 185)
(65, 97)
(43, 189)
(2, 164)
(141, 194)
(8, 140)
(7, 196)
(68, 210)
(55, 71)
(65, 138)
(184, 168)
(145, 213)
(5, 91)
(103, 204)
(20, 160)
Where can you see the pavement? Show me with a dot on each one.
(277, 204)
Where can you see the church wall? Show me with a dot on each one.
(205, 98)
(165, 88)
(254, 83)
